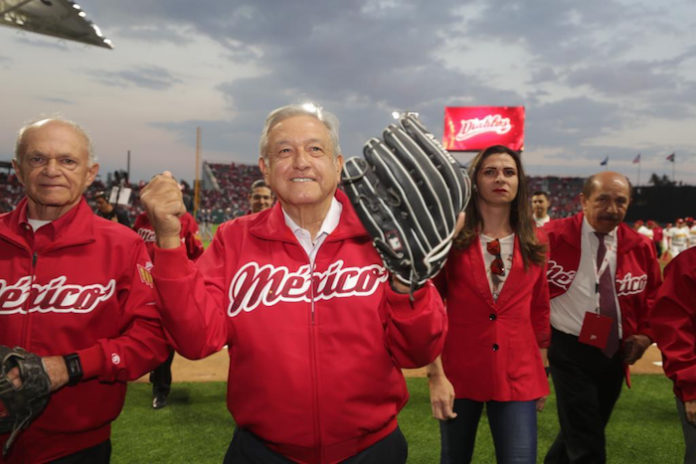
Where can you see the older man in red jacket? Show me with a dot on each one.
(602, 280)
(76, 290)
(316, 328)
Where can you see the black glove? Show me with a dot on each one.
(408, 192)
(19, 406)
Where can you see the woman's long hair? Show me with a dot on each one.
(520, 210)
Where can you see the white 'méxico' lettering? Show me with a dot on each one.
(256, 284)
(556, 275)
(630, 285)
(148, 235)
(55, 296)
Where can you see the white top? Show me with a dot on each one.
(680, 238)
(327, 226)
(541, 221)
(37, 223)
(692, 236)
(506, 247)
(643, 230)
(568, 310)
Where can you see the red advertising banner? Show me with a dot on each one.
(473, 128)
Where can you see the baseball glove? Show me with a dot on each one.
(408, 192)
(19, 406)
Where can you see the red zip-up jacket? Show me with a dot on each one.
(315, 354)
(674, 322)
(637, 270)
(91, 293)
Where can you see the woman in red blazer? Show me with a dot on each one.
(497, 298)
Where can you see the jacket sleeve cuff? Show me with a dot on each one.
(401, 304)
(92, 360)
(648, 332)
(171, 263)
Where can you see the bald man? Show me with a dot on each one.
(602, 276)
(74, 289)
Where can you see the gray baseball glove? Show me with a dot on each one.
(19, 406)
(408, 192)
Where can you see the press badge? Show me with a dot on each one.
(595, 329)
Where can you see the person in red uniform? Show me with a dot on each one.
(657, 236)
(161, 377)
(602, 276)
(673, 320)
(76, 290)
(316, 328)
(497, 298)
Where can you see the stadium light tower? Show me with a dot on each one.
(58, 18)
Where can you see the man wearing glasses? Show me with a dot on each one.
(602, 278)
(76, 290)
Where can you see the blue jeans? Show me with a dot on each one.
(513, 426)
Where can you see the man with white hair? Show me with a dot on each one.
(74, 289)
(317, 330)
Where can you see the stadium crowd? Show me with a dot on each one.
(229, 186)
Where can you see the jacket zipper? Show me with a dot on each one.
(27, 316)
(315, 369)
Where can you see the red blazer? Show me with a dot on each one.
(492, 348)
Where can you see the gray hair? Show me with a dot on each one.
(20, 145)
(285, 112)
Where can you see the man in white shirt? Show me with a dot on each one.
(602, 279)
(540, 207)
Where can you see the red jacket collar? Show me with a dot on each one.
(626, 237)
(270, 223)
(72, 228)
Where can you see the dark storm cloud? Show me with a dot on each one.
(572, 122)
(149, 77)
(560, 32)
(363, 59)
(338, 50)
(625, 79)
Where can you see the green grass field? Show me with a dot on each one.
(196, 427)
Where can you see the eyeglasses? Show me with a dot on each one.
(497, 266)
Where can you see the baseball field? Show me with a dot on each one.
(196, 426)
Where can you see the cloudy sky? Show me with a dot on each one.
(597, 77)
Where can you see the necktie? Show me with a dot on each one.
(607, 303)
